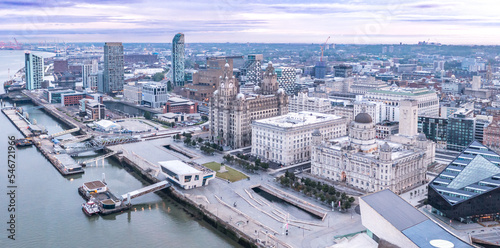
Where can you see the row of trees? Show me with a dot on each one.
(247, 165)
(321, 191)
(166, 123)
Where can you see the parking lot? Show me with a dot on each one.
(139, 125)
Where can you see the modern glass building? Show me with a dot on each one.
(286, 77)
(468, 189)
(113, 67)
(34, 71)
(178, 59)
(460, 132)
(434, 128)
(252, 69)
(320, 69)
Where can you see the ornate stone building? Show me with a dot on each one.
(231, 113)
(370, 164)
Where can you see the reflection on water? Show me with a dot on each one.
(49, 206)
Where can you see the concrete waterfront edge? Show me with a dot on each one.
(191, 207)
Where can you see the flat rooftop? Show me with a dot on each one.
(94, 185)
(178, 167)
(178, 100)
(298, 119)
(67, 161)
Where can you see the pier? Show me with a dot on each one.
(66, 166)
(76, 129)
(146, 190)
(107, 202)
(20, 123)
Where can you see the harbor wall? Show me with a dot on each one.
(197, 211)
(57, 115)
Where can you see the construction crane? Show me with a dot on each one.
(322, 48)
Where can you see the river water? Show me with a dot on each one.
(48, 206)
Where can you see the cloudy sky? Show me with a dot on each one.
(345, 21)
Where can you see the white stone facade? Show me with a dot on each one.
(287, 139)
(427, 101)
(302, 102)
(370, 164)
(379, 111)
(154, 94)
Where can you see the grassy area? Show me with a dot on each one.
(231, 174)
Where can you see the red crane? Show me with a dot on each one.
(322, 48)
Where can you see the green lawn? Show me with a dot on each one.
(231, 174)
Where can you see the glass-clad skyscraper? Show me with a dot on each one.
(34, 71)
(178, 59)
(113, 67)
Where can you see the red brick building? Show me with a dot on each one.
(491, 136)
(74, 98)
(179, 105)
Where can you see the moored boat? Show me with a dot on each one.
(90, 208)
(24, 142)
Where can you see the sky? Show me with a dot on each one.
(220, 21)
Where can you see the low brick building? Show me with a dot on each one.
(179, 105)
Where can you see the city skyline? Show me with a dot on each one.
(351, 22)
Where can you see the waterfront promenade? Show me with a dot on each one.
(236, 204)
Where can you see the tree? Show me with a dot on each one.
(187, 141)
(169, 86)
(157, 77)
(285, 181)
(148, 115)
(200, 140)
(264, 166)
(193, 143)
(331, 190)
(187, 135)
(204, 118)
(325, 187)
(346, 205)
(257, 162)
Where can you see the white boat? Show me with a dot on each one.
(90, 208)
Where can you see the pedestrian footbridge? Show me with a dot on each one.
(146, 190)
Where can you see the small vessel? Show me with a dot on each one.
(24, 142)
(90, 208)
(8, 83)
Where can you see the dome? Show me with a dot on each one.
(281, 91)
(226, 65)
(256, 88)
(385, 147)
(240, 96)
(216, 92)
(316, 133)
(421, 137)
(270, 63)
(363, 118)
